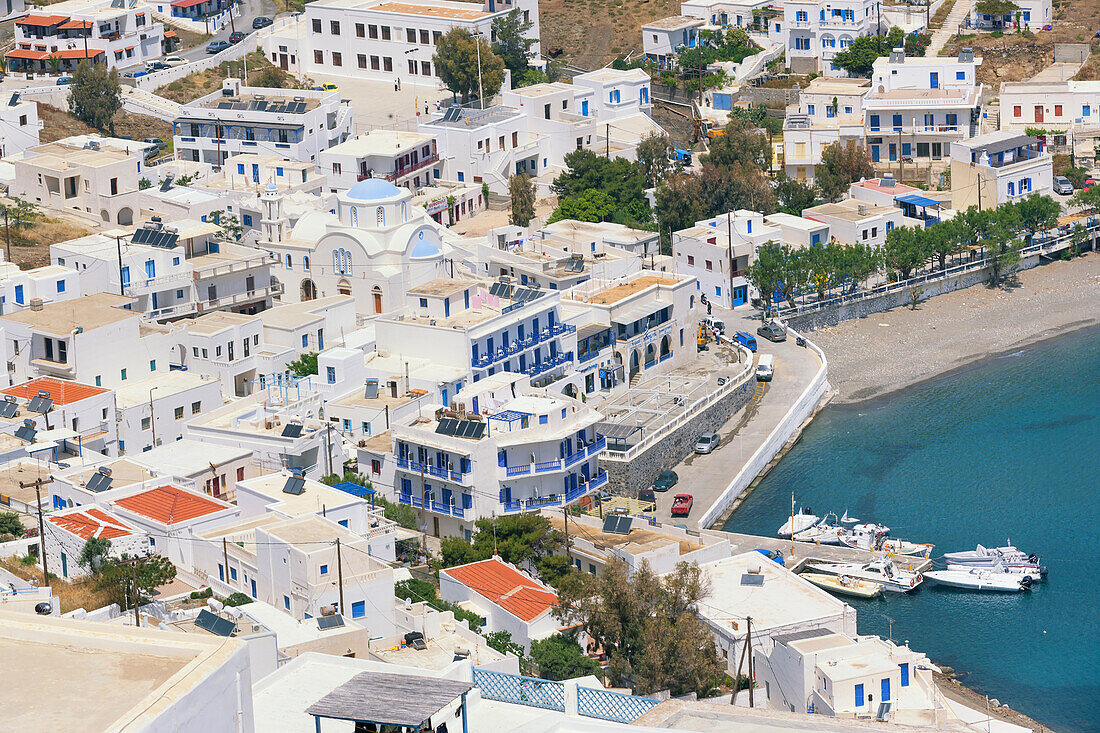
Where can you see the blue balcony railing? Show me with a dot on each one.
(438, 471)
(545, 466)
(598, 446)
(435, 506)
(573, 458)
(518, 345)
(553, 500)
(512, 506)
(598, 481)
(520, 470)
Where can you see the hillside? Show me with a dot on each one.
(592, 33)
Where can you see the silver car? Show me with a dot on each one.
(706, 443)
(1062, 186)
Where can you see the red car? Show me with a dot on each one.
(1089, 183)
(681, 505)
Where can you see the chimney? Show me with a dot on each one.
(36, 304)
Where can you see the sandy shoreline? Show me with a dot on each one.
(885, 352)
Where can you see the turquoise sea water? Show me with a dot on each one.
(1005, 450)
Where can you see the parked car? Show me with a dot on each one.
(765, 368)
(776, 557)
(173, 61)
(647, 495)
(235, 38)
(328, 86)
(63, 80)
(1062, 186)
(217, 46)
(161, 145)
(746, 339)
(156, 66)
(261, 21)
(706, 443)
(715, 324)
(665, 481)
(681, 505)
(773, 331)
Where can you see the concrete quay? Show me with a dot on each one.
(808, 552)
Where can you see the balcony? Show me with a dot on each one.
(164, 282)
(412, 168)
(555, 499)
(518, 345)
(205, 272)
(432, 506)
(430, 470)
(239, 298)
(179, 309)
(557, 464)
(551, 363)
(913, 129)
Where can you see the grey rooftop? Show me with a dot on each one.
(389, 699)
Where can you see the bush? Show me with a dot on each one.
(204, 593)
(419, 590)
(237, 599)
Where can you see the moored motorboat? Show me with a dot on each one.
(844, 584)
(1035, 572)
(875, 538)
(884, 572)
(822, 532)
(799, 522)
(975, 578)
(990, 556)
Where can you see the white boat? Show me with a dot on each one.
(884, 572)
(990, 556)
(844, 584)
(1034, 572)
(823, 532)
(875, 538)
(974, 578)
(800, 522)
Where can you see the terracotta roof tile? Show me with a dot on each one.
(42, 20)
(62, 391)
(91, 523)
(510, 589)
(169, 504)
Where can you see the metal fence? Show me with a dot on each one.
(520, 690)
(613, 706)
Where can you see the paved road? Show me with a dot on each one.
(250, 9)
(705, 477)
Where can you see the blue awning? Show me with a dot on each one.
(917, 200)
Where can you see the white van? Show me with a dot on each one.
(765, 368)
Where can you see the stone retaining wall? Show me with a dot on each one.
(626, 478)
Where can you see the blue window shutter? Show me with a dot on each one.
(860, 700)
(358, 609)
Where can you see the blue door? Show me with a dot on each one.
(584, 107)
(860, 700)
(739, 295)
(154, 297)
(874, 153)
(19, 294)
(893, 151)
(443, 395)
(885, 690)
(904, 674)
(255, 173)
(253, 581)
(934, 80)
(64, 564)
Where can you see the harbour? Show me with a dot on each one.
(989, 455)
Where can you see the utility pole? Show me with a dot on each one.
(37, 483)
(729, 235)
(328, 448)
(118, 243)
(340, 574)
(565, 511)
(134, 597)
(737, 677)
(752, 676)
(225, 555)
(7, 232)
(153, 427)
(607, 141)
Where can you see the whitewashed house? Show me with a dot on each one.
(406, 159)
(1001, 167)
(70, 530)
(153, 411)
(704, 252)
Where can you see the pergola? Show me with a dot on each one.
(409, 702)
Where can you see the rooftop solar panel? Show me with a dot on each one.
(294, 485)
(98, 482)
(371, 389)
(752, 579)
(215, 624)
(225, 105)
(26, 432)
(292, 430)
(446, 426)
(8, 407)
(330, 622)
(610, 522)
(469, 428)
(168, 178)
(494, 289)
(479, 430)
(42, 402)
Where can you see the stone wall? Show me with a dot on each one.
(625, 478)
(768, 96)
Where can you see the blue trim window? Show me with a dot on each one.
(324, 570)
(61, 286)
(305, 340)
(358, 609)
(246, 219)
(286, 604)
(330, 374)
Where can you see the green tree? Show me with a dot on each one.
(943, 239)
(19, 215)
(679, 204)
(841, 166)
(117, 579)
(592, 205)
(741, 145)
(144, 184)
(622, 181)
(512, 44)
(906, 248)
(522, 192)
(858, 262)
(794, 197)
(94, 547)
(231, 229)
(457, 65)
(859, 58)
(10, 525)
(1088, 200)
(655, 158)
(95, 95)
(741, 186)
(553, 568)
(304, 365)
(238, 599)
(1037, 213)
(502, 641)
(1079, 235)
(560, 657)
(766, 272)
(1003, 250)
(795, 274)
(647, 625)
(996, 7)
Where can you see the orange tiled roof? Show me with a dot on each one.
(91, 523)
(78, 53)
(508, 588)
(43, 20)
(24, 53)
(62, 391)
(76, 24)
(169, 504)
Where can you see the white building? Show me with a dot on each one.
(89, 412)
(554, 258)
(1069, 110)
(153, 411)
(120, 677)
(498, 454)
(662, 39)
(95, 480)
(703, 252)
(616, 94)
(581, 235)
(816, 123)
(855, 222)
(70, 530)
(374, 247)
(119, 35)
(384, 40)
(1001, 167)
(19, 127)
(230, 347)
(813, 31)
(312, 325)
(799, 231)
(508, 598)
(89, 174)
(779, 602)
(213, 469)
(48, 283)
(720, 13)
(95, 339)
(296, 123)
(407, 159)
(1030, 14)
(918, 107)
(834, 674)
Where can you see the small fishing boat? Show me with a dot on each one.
(875, 537)
(975, 578)
(884, 572)
(823, 532)
(1035, 572)
(844, 584)
(800, 522)
(990, 556)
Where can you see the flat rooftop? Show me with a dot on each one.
(289, 316)
(217, 321)
(313, 500)
(271, 101)
(358, 398)
(849, 210)
(673, 22)
(642, 538)
(783, 599)
(124, 472)
(542, 89)
(473, 117)
(620, 291)
(381, 142)
(828, 85)
(88, 312)
(113, 676)
(187, 457)
(444, 286)
(795, 222)
(164, 383)
(433, 10)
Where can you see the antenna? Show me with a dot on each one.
(890, 636)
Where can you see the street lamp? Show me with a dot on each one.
(480, 92)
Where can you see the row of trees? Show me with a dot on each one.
(782, 270)
(472, 66)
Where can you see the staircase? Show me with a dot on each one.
(499, 202)
(950, 26)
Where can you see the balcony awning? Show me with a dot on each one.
(636, 312)
(187, 3)
(915, 199)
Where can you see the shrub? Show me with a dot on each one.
(237, 599)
